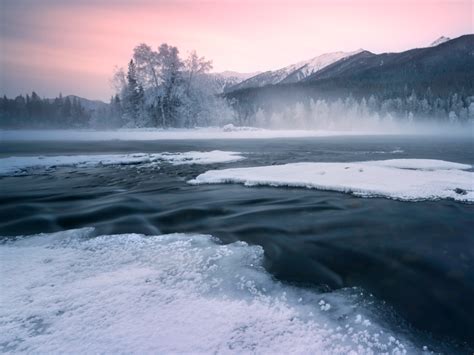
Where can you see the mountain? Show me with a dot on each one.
(292, 73)
(440, 40)
(89, 105)
(227, 79)
(236, 75)
(445, 69)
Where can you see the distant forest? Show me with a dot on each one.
(31, 111)
(278, 108)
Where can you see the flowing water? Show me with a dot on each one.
(409, 264)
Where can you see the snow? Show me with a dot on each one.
(237, 75)
(20, 165)
(231, 128)
(439, 41)
(402, 179)
(73, 292)
(294, 72)
(306, 68)
(168, 134)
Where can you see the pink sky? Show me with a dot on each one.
(57, 46)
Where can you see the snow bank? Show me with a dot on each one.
(22, 165)
(227, 132)
(231, 128)
(403, 179)
(75, 293)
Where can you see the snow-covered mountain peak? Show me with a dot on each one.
(315, 64)
(237, 75)
(294, 72)
(440, 40)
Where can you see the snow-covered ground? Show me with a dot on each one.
(226, 132)
(70, 292)
(403, 179)
(22, 165)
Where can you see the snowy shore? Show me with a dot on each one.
(226, 132)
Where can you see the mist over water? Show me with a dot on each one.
(364, 124)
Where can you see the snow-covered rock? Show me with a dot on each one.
(402, 179)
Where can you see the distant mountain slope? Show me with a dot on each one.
(344, 66)
(224, 80)
(440, 40)
(294, 72)
(446, 69)
(237, 75)
(314, 65)
(89, 105)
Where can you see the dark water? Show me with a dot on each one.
(418, 257)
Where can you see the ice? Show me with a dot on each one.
(226, 132)
(212, 157)
(75, 292)
(20, 165)
(403, 179)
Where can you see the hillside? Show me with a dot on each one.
(444, 69)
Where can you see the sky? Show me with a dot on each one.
(73, 47)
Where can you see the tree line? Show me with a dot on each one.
(292, 107)
(32, 111)
(158, 88)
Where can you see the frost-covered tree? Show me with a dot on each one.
(148, 66)
(195, 66)
(176, 92)
(171, 81)
(133, 98)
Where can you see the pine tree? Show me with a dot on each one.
(134, 96)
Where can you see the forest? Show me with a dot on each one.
(32, 111)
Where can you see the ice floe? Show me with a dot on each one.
(403, 179)
(21, 165)
(76, 293)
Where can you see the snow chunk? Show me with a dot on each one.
(402, 179)
(231, 128)
(21, 165)
(76, 293)
(212, 157)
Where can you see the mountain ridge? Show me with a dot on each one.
(294, 72)
(448, 64)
